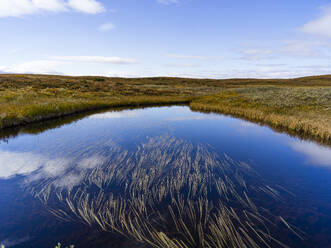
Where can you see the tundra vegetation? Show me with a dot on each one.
(168, 192)
(301, 106)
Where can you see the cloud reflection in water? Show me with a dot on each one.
(65, 172)
(315, 154)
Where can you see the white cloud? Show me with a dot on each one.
(34, 67)
(316, 154)
(167, 2)
(50, 5)
(193, 57)
(95, 59)
(106, 27)
(321, 25)
(17, 8)
(52, 64)
(87, 6)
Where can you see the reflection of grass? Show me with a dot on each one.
(305, 111)
(39, 127)
(171, 193)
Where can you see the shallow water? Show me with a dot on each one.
(163, 176)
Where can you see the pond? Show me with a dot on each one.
(162, 177)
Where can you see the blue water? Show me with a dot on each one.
(100, 152)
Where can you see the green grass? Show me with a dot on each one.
(300, 106)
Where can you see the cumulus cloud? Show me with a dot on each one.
(17, 8)
(315, 154)
(86, 6)
(321, 25)
(106, 27)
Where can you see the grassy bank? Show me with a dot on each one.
(27, 98)
(20, 114)
(300, 106)
(301, 110)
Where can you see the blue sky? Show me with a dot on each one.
(188, 38)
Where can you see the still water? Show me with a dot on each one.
(162, 177)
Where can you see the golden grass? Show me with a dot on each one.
(40, 110)
(299, 106)
(304, 111)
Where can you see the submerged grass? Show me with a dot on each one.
(168, 192)
(301, 106)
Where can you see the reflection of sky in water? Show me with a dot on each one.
(115, 115)
(51, 152)
(66, 155)
(35, 167)
(78, 145)
(315, 154)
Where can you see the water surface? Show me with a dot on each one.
(162, 177)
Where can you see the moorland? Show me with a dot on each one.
(299, 106)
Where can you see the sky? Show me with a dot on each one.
(180, 38)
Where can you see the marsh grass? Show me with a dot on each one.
(300, 106)
(304, 111)
(168, 192)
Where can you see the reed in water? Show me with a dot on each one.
(167, 192)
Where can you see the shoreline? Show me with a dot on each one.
(84, 107)
(290, 126)
(299, 107)
(295, 128)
